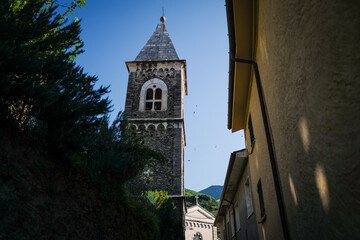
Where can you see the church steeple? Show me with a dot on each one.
(159, 47)
(155, 109)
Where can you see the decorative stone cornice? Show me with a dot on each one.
(154, 119)
(161, 72)
(156, 123)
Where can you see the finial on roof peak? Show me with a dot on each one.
(162, 19)
(197, 199)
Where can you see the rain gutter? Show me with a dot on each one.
(273, 163)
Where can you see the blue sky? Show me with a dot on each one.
(115, 31)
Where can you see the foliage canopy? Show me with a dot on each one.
(46, 96)
(48, 100)
(162, 206)
(42, 91)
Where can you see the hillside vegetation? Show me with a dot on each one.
(205, 201)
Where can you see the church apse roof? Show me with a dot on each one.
(159, 47)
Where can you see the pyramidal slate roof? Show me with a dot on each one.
(159, 47)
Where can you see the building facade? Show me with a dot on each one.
(155, 109)
(199, 224)
(236, 216)
(294, 88)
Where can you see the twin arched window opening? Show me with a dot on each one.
(153, 95)
(153, 98)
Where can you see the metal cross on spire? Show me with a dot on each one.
(163, 18)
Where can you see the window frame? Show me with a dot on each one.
(232, 223)
(153, 84)
(248, 198)
(228, 230)
(261, 201)
(153, 99)
(238, 215)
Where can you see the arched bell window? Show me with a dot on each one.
(153, 96)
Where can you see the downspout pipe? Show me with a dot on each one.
(232, 204)
(273, 163)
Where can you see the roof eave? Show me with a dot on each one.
(206, 212)
(232, 47)
(234, 174)
(240, 17)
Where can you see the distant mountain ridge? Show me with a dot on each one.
(214, 191)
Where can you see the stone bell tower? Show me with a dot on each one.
(155, 108)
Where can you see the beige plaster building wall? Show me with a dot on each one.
(260, 168)
(245, 225)
(207, 232)
(198, 220)
(308, 53)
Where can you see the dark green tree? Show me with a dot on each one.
(114, 152)
(46, 96)
(42, 90)
(162, 206)
(49, 100)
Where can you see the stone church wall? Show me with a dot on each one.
(167, 177)
(170, 73)
(161, 130)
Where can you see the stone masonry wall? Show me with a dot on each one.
(161, 130)
(167, 176)
(145, 71)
